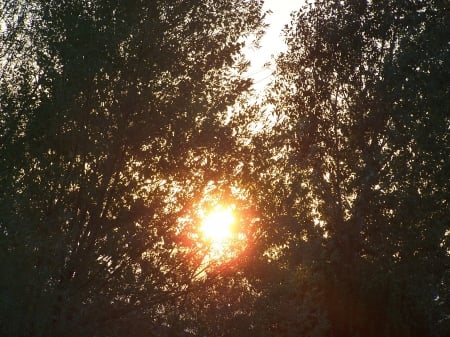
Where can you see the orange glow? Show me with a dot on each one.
(216, 226)
(217, 229)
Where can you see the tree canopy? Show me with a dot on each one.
(113, 119)
(120, 120)
(358, 168)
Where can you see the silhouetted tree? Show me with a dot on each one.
(357, 167)
(112, 121)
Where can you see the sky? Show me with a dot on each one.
(272, 42)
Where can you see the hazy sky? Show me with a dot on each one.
(272, 42)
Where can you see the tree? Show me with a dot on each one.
(112, 121)
(357, 166)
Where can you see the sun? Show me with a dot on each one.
(221, 233)
(217, 226)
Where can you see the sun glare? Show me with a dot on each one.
(217, 225)
(219, 229)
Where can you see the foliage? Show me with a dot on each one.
(112, 121)
(115, 127)
(357, 169)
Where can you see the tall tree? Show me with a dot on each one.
(358, 168)
(112, 121)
